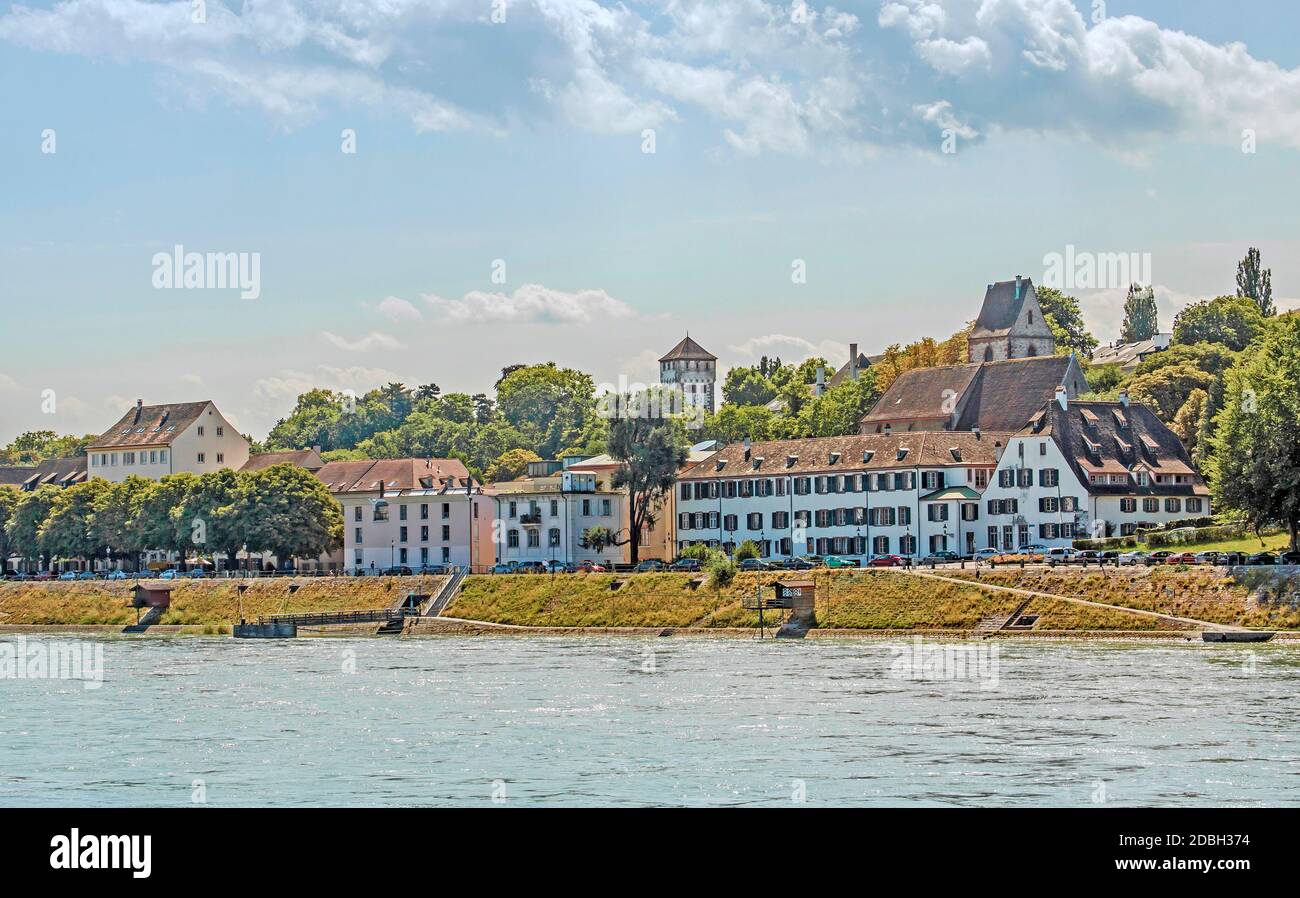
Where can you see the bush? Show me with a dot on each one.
(1185, 534)
(699, 551)
(722, 570)
(747, 549)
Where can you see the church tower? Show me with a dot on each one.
(694, 369)
(1010, 325)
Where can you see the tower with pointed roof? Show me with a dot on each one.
(1010, 325)
(694, 369)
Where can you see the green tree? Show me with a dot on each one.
(735, 422)
(1104, 378)
(1168, 388)
(218, 515)
(1187, 420)
(510, 465)
(747, 549)
(1255, 461)
(117, 521)
(1141, 318)
(9, 498)
(838, 411)
(548, 405)
(290, 513)
(159, 519)
(1256, 283)
(747, 386)
(1231, 320)
(36, 446)
(24, 524)
(68, 529)
(597, 539)
(1066, 321)
(652, 451)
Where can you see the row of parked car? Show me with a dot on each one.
(1066, 555)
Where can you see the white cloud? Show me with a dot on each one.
(532, 303)
(372, 340)
(397, 310)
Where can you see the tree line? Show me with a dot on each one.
(283, 510)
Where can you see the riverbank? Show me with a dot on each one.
(848, 603)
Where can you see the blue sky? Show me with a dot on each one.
(782, 132)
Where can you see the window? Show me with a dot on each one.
(1128, 505)
(937, 511)
(381, 513)
(754, 521)
(1049, 504)
(970, 511)
(1150, 505)
(880, 545)
(446, 510)
(221, 458)
(356, 536)
(1025, 477)
(162, 456)
(553, 537)
(555, 508)
(780, 520)
(446, 533)
(203, 458)
(1173, 506)
(993, 538)
(534, 539)
(200, 430)
(1049, 477)
(604, 507)
(1023, 534)
(424, 534)
(514, 508)
(221, 431)
(401, 556)
(153, 456)
(1194, 506)
(512, 539)
(401, 512)
(401, 534)
(981, 478)
(356, 514)
(904, 515)
(907, 545)
(1007, 477)
(586, 506)
(424, 555)
(1069, 503)
(446, 554)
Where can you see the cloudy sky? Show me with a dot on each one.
(437, 188)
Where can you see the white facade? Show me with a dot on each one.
(544, 518)
(413, 529)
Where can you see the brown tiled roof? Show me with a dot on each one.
(993, 396)
(54, 472)
(864, 362)
(15, 475)
(303, 458)
(396, 475)
(688, 349)
(1002, 304)
(860, 452)
(151, 425)
(1093, 439)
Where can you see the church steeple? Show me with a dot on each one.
(1010, 324)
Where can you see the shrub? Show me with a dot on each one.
(699, 551)
(747, 549)
(722, 570)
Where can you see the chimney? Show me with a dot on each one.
(139, 410)
(1123, 398)
(853, 361)
(1017, 287)
(747, 445)
(316, 449)
(821, 381)
(889, 428)
(1062, 398)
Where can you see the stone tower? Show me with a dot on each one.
(1011, 324)
(694, 369)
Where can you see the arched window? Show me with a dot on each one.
(1031, 317)
(1031, 350)
(988, 353)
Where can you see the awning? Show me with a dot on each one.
(951, 494)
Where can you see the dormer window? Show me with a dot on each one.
(758, 462)
(791, 460)
(835, 457)
(902, 452)
(722, 463)
(955, 452)
(866, 455)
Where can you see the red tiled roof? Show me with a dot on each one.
(688, 349)
(303, 458)
(395, 475)
(151, 425)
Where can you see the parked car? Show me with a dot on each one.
(1110, 556)
(1181, 558)
(1059, 554)
(800, 564)
(561, 567)
(116, 575)
(505, 568)
(1289, 558)
(836, 561)
(1035, 549)
(1232, 559)
(755, 564)
(1262, 558)
(1207, 558)
(400, 571)
(68, 575)
(18, 575)
(1158, 557)
(1134, 557)
(87, 575)
(987, 553)
(591, 567)
(886, 561)
(649, 565)
(941, 557)
(433, 570)
(686, 565)
(44, 575)
(531, 567)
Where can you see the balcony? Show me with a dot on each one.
(531, 518)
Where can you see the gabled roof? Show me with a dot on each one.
(395, 475)
(856, 453)
(1002, 304)
(151, 425)
(688, 349)
(53, 472)
(303, 458)
(1094, 441)
(993, 396)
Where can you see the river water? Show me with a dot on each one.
(625, 721)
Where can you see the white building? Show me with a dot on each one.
(1085, 470)
(693, 369)
(410, 512)
(544, 517)
(154, 440)
(854, 496)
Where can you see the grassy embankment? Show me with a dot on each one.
(1250, 544)
(868, 600)
(1259, 600)
(211, 604)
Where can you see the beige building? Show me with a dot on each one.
(410, 512)
(1010, 324)
(155, 440)
(543, 517)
